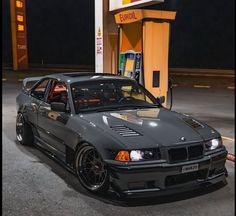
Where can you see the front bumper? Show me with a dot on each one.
(160, 177)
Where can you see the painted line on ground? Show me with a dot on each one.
(4, 79)
(201, 86)
(175, 85)
(197, 74)
(230, 157)
(228, 138)
(20, 80)
(230, 87)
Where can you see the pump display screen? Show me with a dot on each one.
(129, 67)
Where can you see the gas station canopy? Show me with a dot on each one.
(122, 4)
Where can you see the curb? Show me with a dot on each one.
(12, 80)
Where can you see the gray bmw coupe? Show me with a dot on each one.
(113, 134)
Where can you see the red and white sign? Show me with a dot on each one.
(99, 42)
(99, 36)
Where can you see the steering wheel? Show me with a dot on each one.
(54, 97)
(126, 99)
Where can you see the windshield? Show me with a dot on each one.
(105, 95)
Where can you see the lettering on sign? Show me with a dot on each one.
(21, 47)
(22, 58)
(99, 42)
(19, 4)
(129, 16)
(21, 35)
(20, 27)
(20, 18)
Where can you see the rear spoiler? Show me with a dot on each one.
(28, 83)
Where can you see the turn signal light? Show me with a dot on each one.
(122, 156)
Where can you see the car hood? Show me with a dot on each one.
(149, 128)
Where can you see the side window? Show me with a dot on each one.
(39, 91)
(58, 93)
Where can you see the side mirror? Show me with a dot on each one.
(58, 107)
(161, 99)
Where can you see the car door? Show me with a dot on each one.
(53, 124)
(37, 95)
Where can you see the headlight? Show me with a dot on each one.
(213, 144)
(138, 155)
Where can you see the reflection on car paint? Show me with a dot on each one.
(148, 113)
(104, 118)
(128, 117)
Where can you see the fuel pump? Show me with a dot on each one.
(130, 65)
(143, 39)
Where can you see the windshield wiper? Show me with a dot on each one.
(101, 109)
(130, 106)
(140, 106)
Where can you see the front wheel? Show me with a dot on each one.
(24, 134)
(91, 169)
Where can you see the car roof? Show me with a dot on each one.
(85, 76)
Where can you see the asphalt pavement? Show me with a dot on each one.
(34, 184)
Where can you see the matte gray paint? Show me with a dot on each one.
(163, 130)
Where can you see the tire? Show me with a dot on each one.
(24, 134)
(91, 169)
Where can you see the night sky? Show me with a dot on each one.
(62, 32)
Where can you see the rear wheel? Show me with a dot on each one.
(91, 169)
(24, 134)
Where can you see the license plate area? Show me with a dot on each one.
(189, 168)
(185, 177)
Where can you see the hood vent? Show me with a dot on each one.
(193, 123)
(125, 131)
